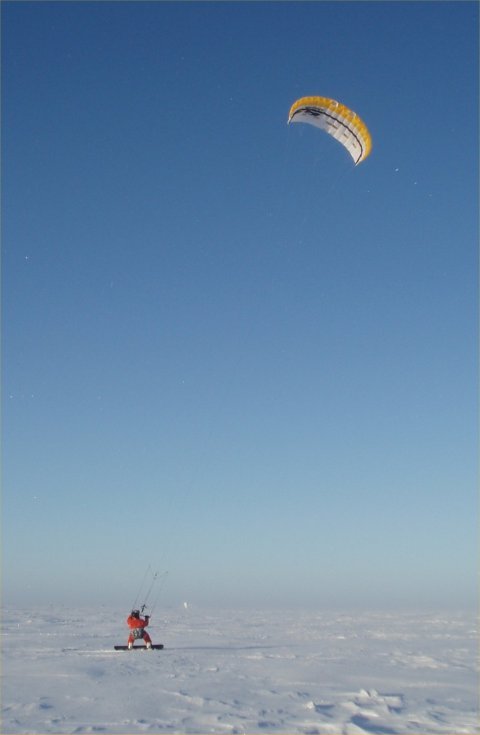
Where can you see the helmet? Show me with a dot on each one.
(135, 613)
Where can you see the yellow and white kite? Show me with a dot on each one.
(337, 120)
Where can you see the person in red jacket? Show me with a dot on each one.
(137, 627)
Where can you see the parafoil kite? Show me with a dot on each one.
(337, 120)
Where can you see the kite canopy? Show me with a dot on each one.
(337, 120)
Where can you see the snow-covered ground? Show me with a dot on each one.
(240, 672)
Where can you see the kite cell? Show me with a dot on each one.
(337, 120)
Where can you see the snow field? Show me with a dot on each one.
(240, 672)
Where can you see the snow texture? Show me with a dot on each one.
(240, 672)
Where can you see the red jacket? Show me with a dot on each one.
(137, 622)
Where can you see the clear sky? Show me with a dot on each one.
(227, 351)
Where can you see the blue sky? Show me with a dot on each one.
(227, 351)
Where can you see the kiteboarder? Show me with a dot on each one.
(137, 627)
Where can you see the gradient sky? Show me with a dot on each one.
(227, 352)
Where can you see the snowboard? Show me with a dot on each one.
(155, 646)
